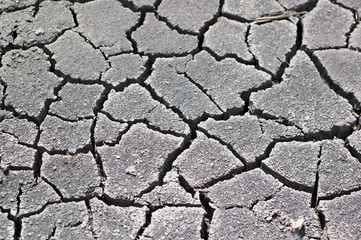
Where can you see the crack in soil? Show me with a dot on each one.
(222, 142)
(207, 219)
(148, 219)
(167, 166)
(193, 124)
(349, 96)
(201, 88)
(133, 29)
(314, 198)
(90, 219)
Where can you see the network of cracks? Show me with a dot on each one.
(173, 119)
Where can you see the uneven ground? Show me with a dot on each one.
(175, 119)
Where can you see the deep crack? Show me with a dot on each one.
(314, 198)
(133, 29)
(207, 219)
(148, 219)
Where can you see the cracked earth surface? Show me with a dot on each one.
(174, 119)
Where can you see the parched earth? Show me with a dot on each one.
(180, 119)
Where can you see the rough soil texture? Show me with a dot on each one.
(174, 119)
